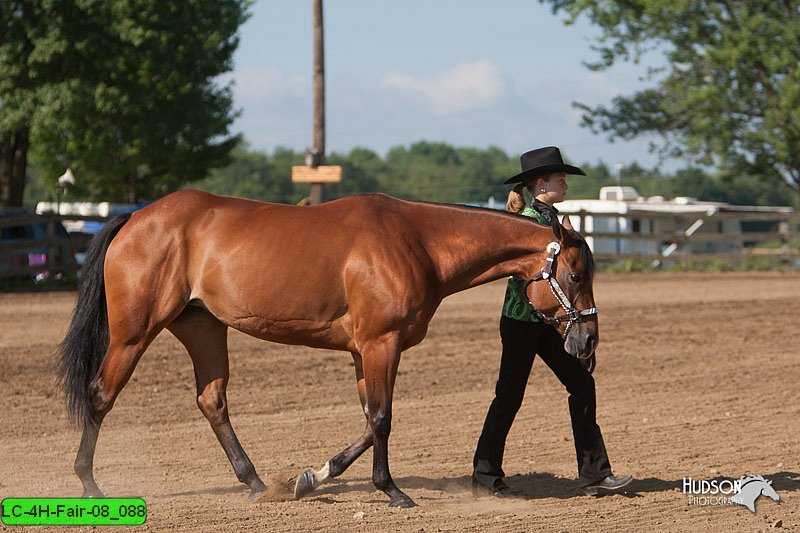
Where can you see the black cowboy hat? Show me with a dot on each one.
(541, 162)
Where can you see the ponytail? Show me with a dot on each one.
(516, 199)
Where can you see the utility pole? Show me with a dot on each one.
(315, 171)
(318, 146)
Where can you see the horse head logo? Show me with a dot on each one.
(751, 487)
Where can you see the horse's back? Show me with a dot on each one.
(215, 213)
(267, 269)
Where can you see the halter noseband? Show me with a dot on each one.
(572, 315)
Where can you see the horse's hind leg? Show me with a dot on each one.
(114, 373)
(205, 338)
(311, 479)
(84, 462)
(138, 304)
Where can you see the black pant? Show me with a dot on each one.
(521, 342)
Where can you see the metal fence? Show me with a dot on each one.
(38, 245)
(683, 242)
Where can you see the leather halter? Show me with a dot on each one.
(571, 315)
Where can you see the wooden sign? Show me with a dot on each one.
(321, 174)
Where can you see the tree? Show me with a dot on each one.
(250, 174)
(17, 20)
(122, 92)
(359, 173)
(728, 95)
(439, 172)
(425, 171)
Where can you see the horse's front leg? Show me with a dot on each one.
(206, 340)
(381, 358)
(310, 479)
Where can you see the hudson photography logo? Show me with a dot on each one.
(743, 491)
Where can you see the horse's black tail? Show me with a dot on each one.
(86, 342)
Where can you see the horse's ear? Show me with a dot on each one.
(567, 223)
(557, 230)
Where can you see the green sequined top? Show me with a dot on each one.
(516, 305)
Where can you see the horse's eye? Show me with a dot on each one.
(575, 277)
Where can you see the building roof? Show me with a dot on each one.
(625, 200)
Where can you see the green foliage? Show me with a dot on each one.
(36, 190)
(729, 95)
(361, 167)
(424, 170)
(123, 92)
(438, 172)
(433, 172)
(748, 263)
(253, 175)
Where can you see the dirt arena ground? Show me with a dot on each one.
(698, 377)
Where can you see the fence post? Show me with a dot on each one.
(783, 235)
(52, 245)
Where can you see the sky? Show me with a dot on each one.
(472, 73)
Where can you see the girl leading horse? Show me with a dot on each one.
(363, 274)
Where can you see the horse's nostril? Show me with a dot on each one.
(591, 341)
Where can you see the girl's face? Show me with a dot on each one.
(551, 189)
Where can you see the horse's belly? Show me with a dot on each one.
(329, 335)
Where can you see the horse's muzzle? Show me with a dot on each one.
(581, 343)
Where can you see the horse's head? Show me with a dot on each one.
(750, 488)
(763, 486)
(770, 492)
(563, 295)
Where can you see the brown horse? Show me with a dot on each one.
(363, 274)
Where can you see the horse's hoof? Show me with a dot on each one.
(257, 488)
(93, 493)
(403, 502)
(304, 484)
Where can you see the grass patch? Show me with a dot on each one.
(748, 263)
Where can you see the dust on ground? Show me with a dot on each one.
(697, 377)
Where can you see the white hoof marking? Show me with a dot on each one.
(321, 476)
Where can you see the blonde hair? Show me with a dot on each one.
(516, 199)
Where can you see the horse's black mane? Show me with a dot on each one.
(586, 253)
(499, 212)
(587, 258)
